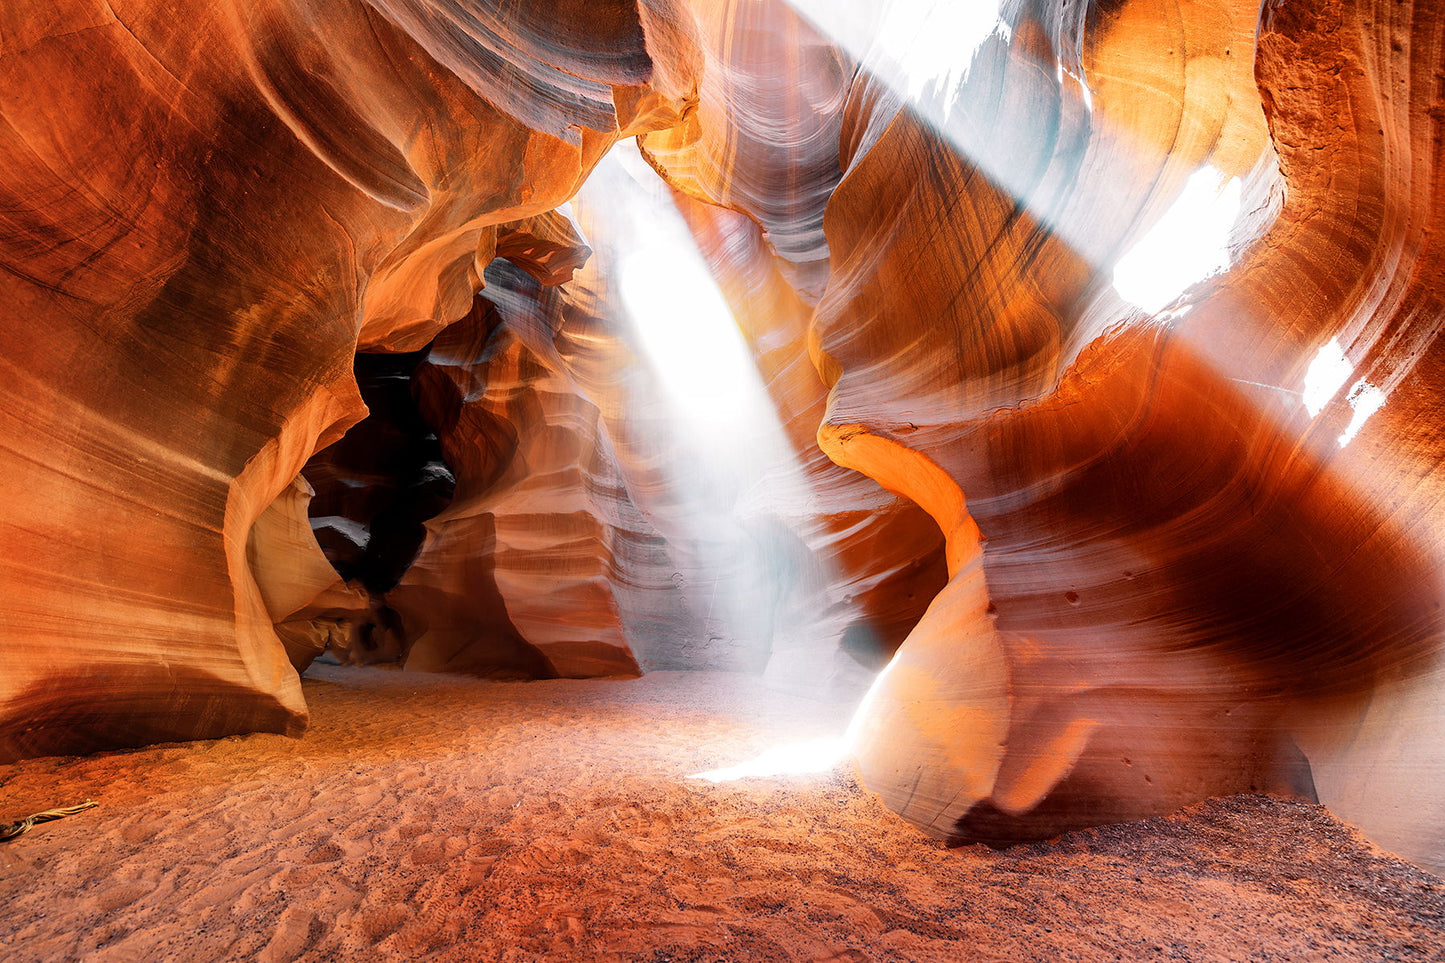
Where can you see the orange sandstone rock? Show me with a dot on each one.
(1208, 565)
(207, 212)
(1191, 532)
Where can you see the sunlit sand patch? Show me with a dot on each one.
(804, 757)
(794, 759)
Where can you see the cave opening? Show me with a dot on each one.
(572, 434)
(378, 485)
(374, 490)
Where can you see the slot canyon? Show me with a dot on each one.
(802, 480)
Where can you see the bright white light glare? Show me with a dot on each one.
(1188, 244)
(1365, 399)
(799, 758)
(934, 41)
(688, 331)
(910, 46)
(1326, 375)
(914, 43)
(1084, 90)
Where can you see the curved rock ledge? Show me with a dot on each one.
(206, 216)
(1133, 542)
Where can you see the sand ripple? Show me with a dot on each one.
(438, 818)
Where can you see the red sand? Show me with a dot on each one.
(439, 818)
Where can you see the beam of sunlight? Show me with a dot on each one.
(688, 333)
(911, 45)
(1327, 374)
(923, 51)
(724, 485)
(1185, 246)
(684, 324)
(929, 43)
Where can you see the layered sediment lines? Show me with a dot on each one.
(1137, 534)
(1203, 565)
(519, 573)
(204, 218)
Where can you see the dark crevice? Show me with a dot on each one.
(378, 485)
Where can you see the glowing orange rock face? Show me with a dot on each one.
(1201, 571)
(205, 215)
(599, 528)
(765, 141)
(519, 574)
(1192, 546)
(312, 607)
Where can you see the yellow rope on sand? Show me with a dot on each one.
(11, 830)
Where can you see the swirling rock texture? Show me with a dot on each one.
(594, 534)
(1191, 538)
(378, 484)
(205, 216)
(1184, 559)
(312, 607)
(753, 169)
(519, 574)
(880, 557)
(375, 488)
(544, 565)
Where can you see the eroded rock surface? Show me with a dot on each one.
(207, 212)
(1206, 564)
(312, 607)
(519, 573)
(1190, 524)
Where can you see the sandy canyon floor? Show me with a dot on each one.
(440, 818)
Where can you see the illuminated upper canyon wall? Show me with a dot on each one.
(207, 222)
(206, 215)
(627, 495)
(1186, 555)
(1191, 533)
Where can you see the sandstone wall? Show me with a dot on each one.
(207, 212)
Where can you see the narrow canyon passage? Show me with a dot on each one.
(444, 442)
(433, 817)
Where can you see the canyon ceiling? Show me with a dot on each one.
(1084, 362)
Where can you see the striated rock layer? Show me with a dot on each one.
(753, 170)
(1118, 325)
(604, 524)
(206, 212)
(520, 572)
(1187, 554)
